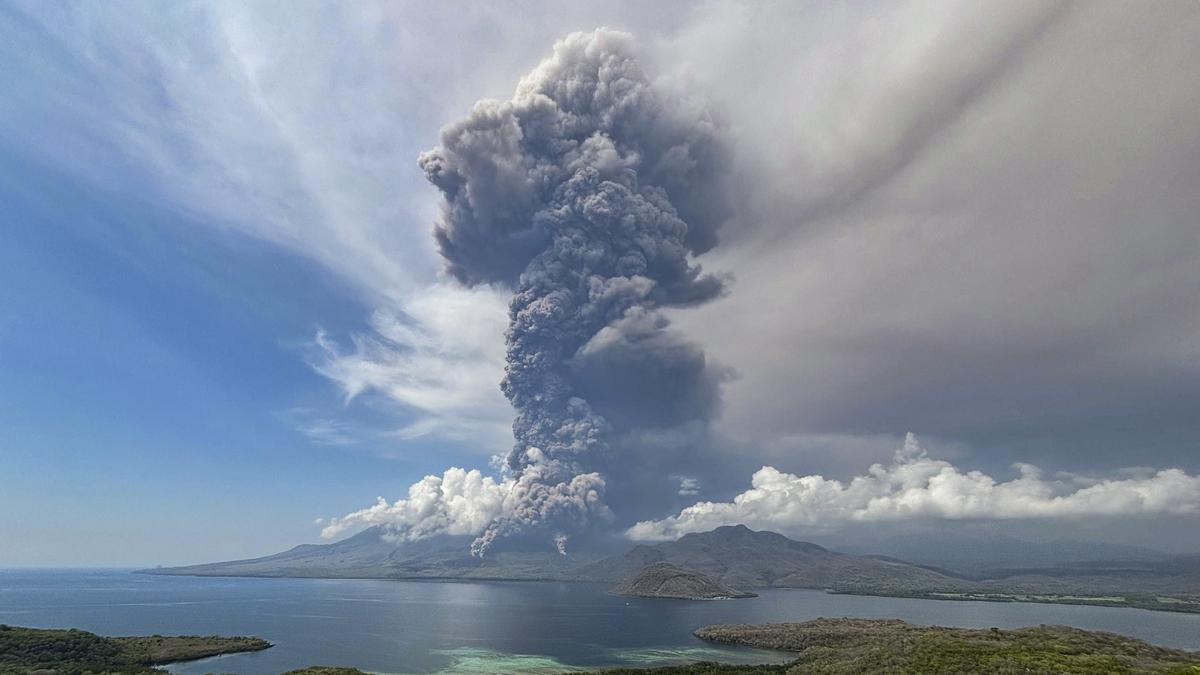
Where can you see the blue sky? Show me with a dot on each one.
(155, 377)
(223, 316)
(155, 355)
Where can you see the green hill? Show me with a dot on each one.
(847, 646)
(76, 652)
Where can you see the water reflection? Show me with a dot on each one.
(518, 627)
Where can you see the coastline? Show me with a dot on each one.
(1178, 606)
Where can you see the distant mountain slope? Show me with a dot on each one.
(735, 556)
(373, 554)
(1176, 576)
(981, 555)
(740, 557)
(363, 550)
(664, 580)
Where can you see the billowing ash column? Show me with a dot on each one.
(587, 194)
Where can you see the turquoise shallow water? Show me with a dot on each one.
(467, 627)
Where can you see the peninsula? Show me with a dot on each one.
(25, 650)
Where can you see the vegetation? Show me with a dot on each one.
(325, 670)
(702, 668)
(847, 646)
(77, 652)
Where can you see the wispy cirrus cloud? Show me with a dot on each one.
(328, 432)
(440, 355)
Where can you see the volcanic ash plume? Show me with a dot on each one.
(586, 193)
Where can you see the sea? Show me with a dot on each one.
(383, 626)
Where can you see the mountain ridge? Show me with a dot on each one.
(737, 557)
(740, 557)
(979, 555)
(733, 555)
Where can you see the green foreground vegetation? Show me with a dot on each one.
(325, 670)
(701, 668)
(846, 646)
(77, 652)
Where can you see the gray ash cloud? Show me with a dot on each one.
(588, 193)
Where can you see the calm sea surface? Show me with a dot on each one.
(466, 627)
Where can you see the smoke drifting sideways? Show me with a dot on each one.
(588, 194)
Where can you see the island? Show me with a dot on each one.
(665, 580)
(49, 651)
(738, 557)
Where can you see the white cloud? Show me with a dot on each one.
(917, 487)
(320, 428)
(441, 354)
(688, 487)
(462, 502)
(457, 502)
(328, 432)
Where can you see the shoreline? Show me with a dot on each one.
(1174, 607)
(65, 649)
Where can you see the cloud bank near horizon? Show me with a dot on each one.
(913, 488)
(916, 487)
